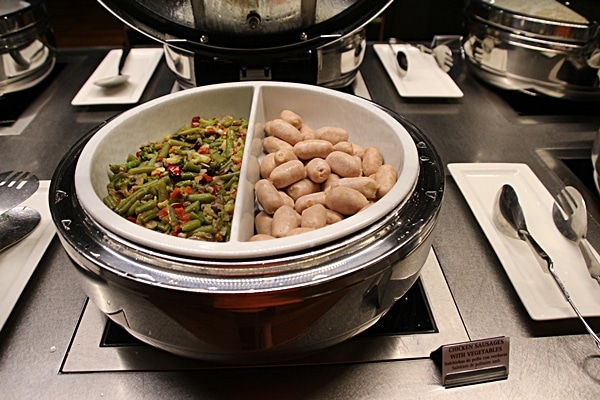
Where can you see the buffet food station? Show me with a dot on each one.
(56, 343)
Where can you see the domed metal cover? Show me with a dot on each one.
(235, 28)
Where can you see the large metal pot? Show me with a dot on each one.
(541, 47)
(306, 41)
(27, 50)
(253, 309)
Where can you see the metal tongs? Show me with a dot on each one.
(509, 218)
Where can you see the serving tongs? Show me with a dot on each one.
(510, 220)
(569, 213)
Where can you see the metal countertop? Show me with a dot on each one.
(480, 127)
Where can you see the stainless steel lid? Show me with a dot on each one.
(237, 29)
(18, 16)
(575, 21)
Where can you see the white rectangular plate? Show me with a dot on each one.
(140, 66)
(424, 78)
(18, 262)
(480, 183)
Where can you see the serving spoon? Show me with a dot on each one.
(120, 78)
(16, 225)
(401, 60)
(510, 220)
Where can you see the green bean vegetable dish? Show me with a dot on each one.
(185, 185)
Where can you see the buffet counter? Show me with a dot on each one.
(549, 359)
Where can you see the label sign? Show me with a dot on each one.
(473, 362)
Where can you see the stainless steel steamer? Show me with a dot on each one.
(529, 51)
(252, 310)
(27, 49)
(305, 41)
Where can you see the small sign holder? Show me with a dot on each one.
(472, 362)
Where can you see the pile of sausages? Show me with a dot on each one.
(313, 178)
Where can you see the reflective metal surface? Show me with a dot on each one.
(87, 355)
(286, 314)
(229, 28)
(538, 63)
(27, 53)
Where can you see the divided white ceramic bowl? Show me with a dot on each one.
(367, 124)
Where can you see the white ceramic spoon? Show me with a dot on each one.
(120, 78)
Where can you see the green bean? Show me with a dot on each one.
(109, 201)
(188, 166)
(147, 216)
(204, 229)
(131, 210)
(194, 206)
(180, 143)
(173, 220)
(141, 170)
(153, 182)
(161, 191)
(184, 183)
(149, 205)
(228, 207)
(187, 176)
(198, 216)
(186, 132)
(124, 205)
(191, 225)
(201, 198)
(163, 226)
(164, 151)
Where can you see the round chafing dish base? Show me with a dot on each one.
(346, 287)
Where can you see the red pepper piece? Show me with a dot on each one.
(175, 193)
(174, 170)
(182, 216)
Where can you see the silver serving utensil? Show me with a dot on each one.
(119, 78)
(570, 217)
(443, 56)
(15, 188)
(509, 217)
(16, 224)
(401, 59)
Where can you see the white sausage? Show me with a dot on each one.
(267, 165)
(283, 130)
(371, 161)
(284, 220)
(367, 186)
(314, 217)
(318, 170)
(268, 196)
(309, 149)
(346, 201)
(332, 134)
(294, 119)
(344, 164)
(262, 223)
(386, 177)
(301, 188)
(287, 173)
(271, 144)
(309, 200)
